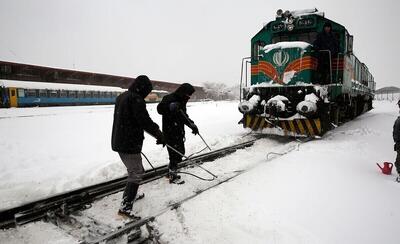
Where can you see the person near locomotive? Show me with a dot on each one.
(396, 138)
(131, 119)
(174, 117)
(325, 41)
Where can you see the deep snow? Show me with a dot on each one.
(329, 191)
(325, 191)
(44, 151)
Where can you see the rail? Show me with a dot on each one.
(65, 203)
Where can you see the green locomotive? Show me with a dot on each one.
(299, 89)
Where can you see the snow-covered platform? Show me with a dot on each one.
(325, 191)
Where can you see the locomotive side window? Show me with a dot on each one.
(257, 48)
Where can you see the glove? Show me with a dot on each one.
(160, 139)
(174, 107)
(195, 130)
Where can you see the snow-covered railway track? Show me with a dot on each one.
(132, 229)
(62, 205)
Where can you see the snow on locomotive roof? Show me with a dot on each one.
(285, 45)
(57, 86)
(302, 12)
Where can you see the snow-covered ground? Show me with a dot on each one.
(328, 191)
(44, 151)
(324, 191)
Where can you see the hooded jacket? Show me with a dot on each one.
(173, 121)
(131, 118)
(396, 131)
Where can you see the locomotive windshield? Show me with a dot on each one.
(304, 37)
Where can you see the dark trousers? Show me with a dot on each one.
(324, 68)
(397, 163)
(134, 166)
(175, 158)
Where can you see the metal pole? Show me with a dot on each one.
(240, 84)
(241, 78)
(205, 142)
(184, 115)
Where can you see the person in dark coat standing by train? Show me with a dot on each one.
(131, 119)
(396, 138)
(327, 47)
(174, 117)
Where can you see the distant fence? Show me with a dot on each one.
(388, 96)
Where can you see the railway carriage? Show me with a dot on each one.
(32, 94)
(286, 94)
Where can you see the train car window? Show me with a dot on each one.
(81, 94)
(95, 94)
(42, 93)
(63, 93)
(30, 93)
(88, 94)
(21, 93)
(53, 93)
(72, 94)
(13, 93)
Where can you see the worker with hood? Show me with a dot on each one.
(174, 117)
(131, 119)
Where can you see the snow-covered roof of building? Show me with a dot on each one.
(57, 86)
(285, 45)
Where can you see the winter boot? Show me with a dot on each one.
(127, 201)
(174, 178)
(398, 178)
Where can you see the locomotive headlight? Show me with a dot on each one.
(279, 12)
(286, 13)
(290, 27)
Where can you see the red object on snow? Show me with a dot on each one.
(387, 168)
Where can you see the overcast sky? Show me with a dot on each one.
(178, 40)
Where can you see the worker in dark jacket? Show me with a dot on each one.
(327, 47)
(173, 110)
(131, 119)
(396, 138)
